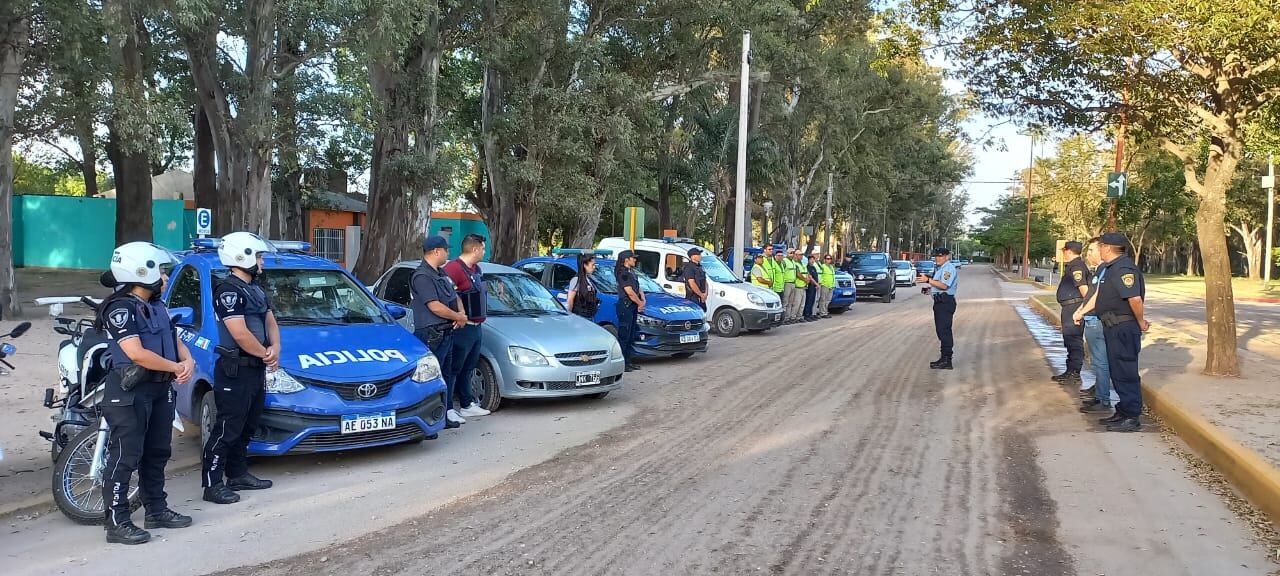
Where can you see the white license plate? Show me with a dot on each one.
(846, 293)
(356, 423)
(777, 317)
(860, 283)
(589, 378)
(689, 338)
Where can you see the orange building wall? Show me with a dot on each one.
(331, 219)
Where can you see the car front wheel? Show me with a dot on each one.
(728, 322)
(484, 386)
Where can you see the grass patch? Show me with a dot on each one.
(1193, 286)
(1049, 300)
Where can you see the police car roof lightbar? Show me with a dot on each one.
(570, 251)
(205, 243)
(677, 239)
(282, 245)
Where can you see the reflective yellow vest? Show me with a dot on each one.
(800, 268)
(827, 275)
(789, 269)
(777, 273)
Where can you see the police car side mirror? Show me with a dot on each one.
(182, 316)
(395, 310)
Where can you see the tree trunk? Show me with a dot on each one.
(130, 133)
(1211, 231)
(204, 172)
(88, 154)
(286, 221)
(15, 38)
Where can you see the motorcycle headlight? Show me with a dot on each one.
(615, 349)
(648, 321)
(881, 276)
(526, 357)
(280, 382)
(428, 368)
(755, 299)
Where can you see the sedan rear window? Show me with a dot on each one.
(870, 260)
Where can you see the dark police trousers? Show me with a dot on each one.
(810, 294)
(627, 312)
(1124, 342)
(138, 439)
(944, 309)
(1072, 337)
(238, 396)
(439, 339)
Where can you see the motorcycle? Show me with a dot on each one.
(79, 438)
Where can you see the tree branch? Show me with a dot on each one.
(286, 63)
(1188, 164)
(1262, 67)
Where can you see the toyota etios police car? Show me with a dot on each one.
(349, 377)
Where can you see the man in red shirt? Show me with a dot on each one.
(465, 273)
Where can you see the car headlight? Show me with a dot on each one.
(881, 276)
(648, 321)
(526, 357)
(280, 382)
(615, 349)
(755, 299)
(428, 368)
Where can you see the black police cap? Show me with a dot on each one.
(1114, 239)
(1073, 246)
(941, 251)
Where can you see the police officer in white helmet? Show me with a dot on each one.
(248, 346)
(138, 401)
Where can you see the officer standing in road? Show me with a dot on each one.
(138, 400)
(582, 297)
(826, 286)
(437, 312)
(248, 346)
(630, 305)
(1119, 303)
(811, 288)
(1072, 289)
(465, 273)
(695, 278)
(943, 284)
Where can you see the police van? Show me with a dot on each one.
(732, 305)
(349, 376)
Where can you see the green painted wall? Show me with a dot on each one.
(460, 230)
(76, 232)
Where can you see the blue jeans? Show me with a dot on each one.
(440, 342)
(466, 354)
(1097, 344)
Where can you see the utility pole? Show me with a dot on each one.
(826, 237)
(740, 213)
(1269, 182)
(1026, 246)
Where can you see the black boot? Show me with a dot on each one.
(166, 519)
(1125, 425)
(942, 364)
(1065, 376)
(247, 482)
(937, 362)
(220, 494)
(126, 533)
(1112, 419)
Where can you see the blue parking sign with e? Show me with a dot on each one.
(204, 221)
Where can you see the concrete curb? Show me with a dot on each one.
(44, 501)
(1252, 476)
(1006, 278)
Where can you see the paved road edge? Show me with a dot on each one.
(1252, 476)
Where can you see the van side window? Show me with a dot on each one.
(647, 262)
(397, 288)
(675, 266)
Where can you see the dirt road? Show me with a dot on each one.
(828, 448)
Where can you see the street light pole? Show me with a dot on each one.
(740, 212)
(768, 211)
(826, 237)
(1026, 245)
(1270, 183)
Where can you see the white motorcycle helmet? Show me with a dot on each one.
(241, 249)
(139, 263)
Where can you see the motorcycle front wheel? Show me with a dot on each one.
(76, 491)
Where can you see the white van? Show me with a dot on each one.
(732, 305)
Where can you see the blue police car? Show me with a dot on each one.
(349, 377)
(670, 326)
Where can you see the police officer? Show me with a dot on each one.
(774, 269)
(695, 278)
(826, 286)
(1119, 303)
(248, 346)
(583, 298)
(630, 304)
(138, 400)
(811, 288)
(759, 273)
(943, 284)
(1072, 289)
(437, 312)
(792, 297)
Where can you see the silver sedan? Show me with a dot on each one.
(530, 346)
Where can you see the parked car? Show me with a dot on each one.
(732, 305)
(349, 376)
(903, 273)
(670, 326)
(926, 267)
(531, 347)
(872, 276)
(844, 294)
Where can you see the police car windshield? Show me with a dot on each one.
(319, 297)
(519, 294)
(870, 260)
(716, 270)
(607, 282)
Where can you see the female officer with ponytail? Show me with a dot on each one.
(138, 402)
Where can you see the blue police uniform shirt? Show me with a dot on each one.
(426, 285)
(235, 298)
(130, 317)
(949, 275)
(1123, 280)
